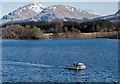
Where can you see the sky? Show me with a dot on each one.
(99, 8)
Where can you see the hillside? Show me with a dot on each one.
(113, 18)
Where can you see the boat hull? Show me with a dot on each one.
(76, 68)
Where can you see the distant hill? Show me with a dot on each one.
(113, 18)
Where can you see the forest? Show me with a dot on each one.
(57, 27)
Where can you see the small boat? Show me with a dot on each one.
(80, 66)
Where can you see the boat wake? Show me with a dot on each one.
(24, 64)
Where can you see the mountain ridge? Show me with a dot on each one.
(36, 11)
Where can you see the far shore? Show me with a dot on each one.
(110, 35)
(58, 30)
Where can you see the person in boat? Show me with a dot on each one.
(75, 64)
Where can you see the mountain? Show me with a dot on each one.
(113, 17)
(25, 12)
(38, 12)
(61, 12)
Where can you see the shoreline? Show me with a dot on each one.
(60, 30)
(59, 38)
(109, 35)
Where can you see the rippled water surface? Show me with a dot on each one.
(45, 60)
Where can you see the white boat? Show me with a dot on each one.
(80, 66)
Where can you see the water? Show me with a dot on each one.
(45, 60)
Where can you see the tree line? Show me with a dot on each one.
(61, 27)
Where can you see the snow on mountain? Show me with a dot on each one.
(37, 7)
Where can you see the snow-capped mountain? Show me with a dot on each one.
(62, 12)
(38, 12)
(25, 12)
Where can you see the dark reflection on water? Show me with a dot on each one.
(45, 60)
